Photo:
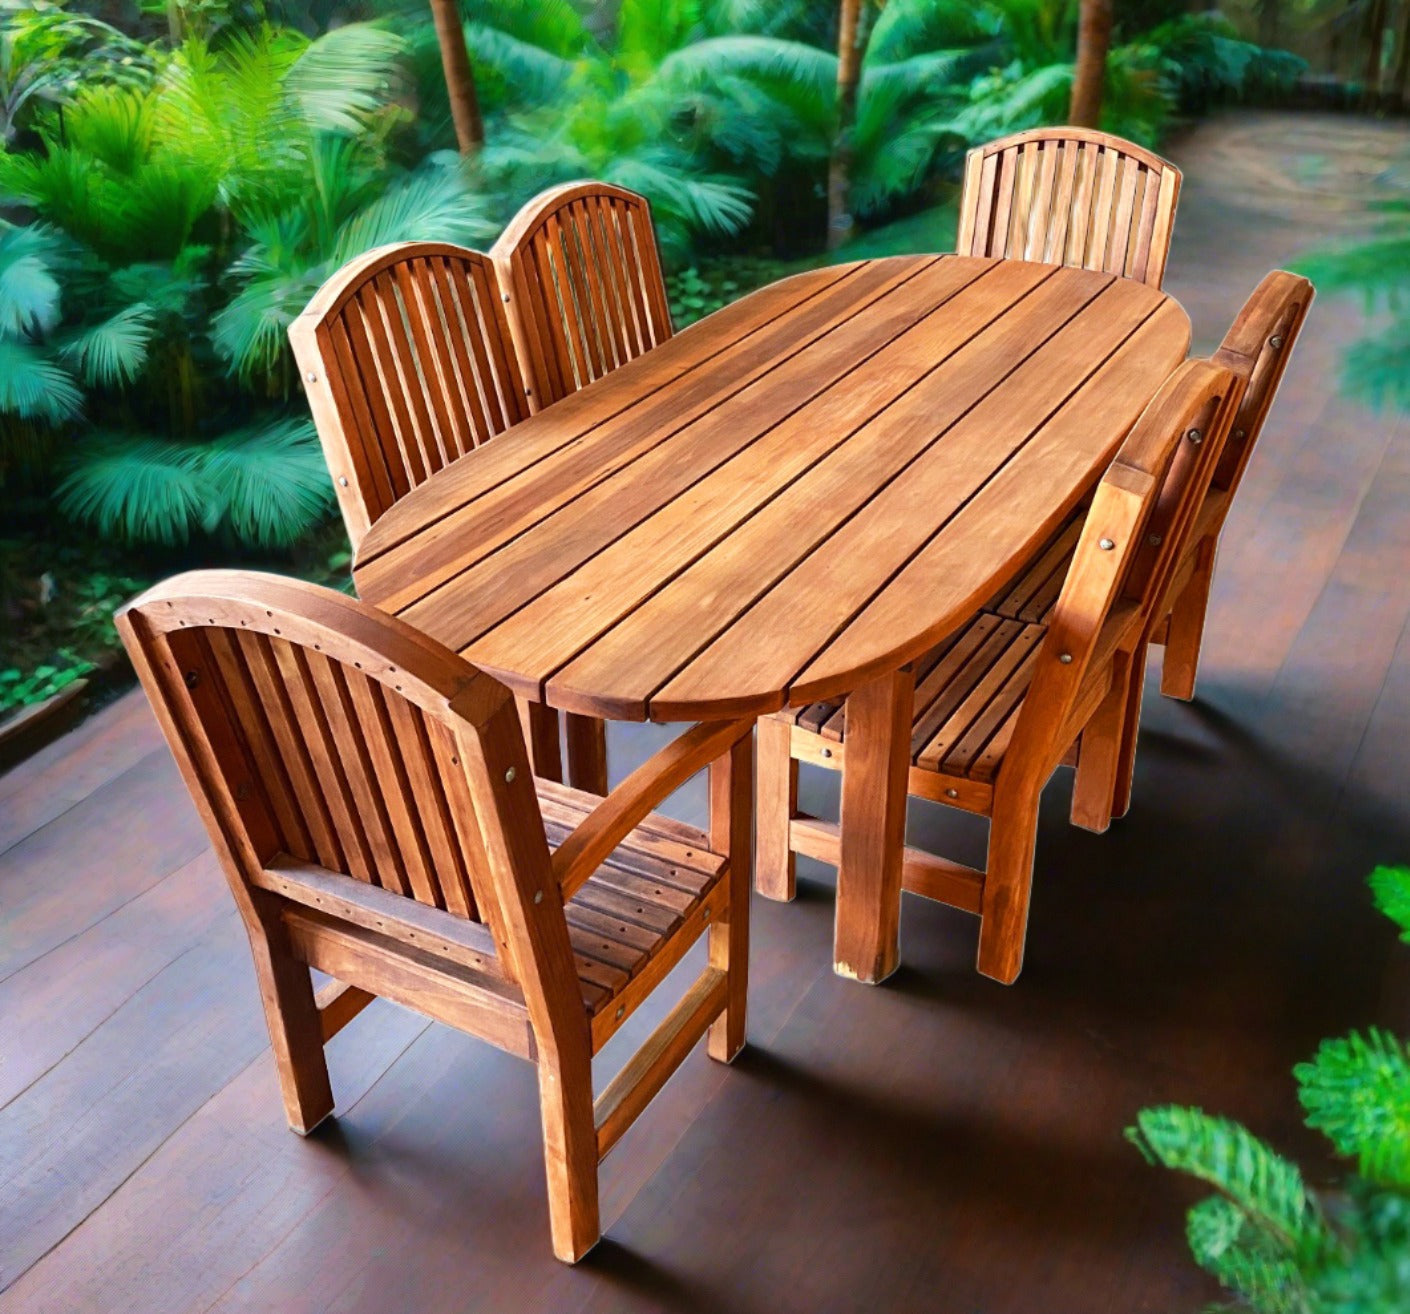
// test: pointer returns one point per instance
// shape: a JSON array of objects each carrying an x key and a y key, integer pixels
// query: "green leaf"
[{"x": 1225, "y": 1245}]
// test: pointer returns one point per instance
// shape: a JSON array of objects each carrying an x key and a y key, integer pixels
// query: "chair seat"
[
  {"x": 627, "y": 910},
  {"x": 969, "y": 691}
]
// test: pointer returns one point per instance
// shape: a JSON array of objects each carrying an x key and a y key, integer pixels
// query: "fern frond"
[
  {"x": 1225, "y": 1245},
  {"x": 1267, "y": 1188},
  {"x": 1390, "y": 891},
  {"x": 1357, "y": 1093}
]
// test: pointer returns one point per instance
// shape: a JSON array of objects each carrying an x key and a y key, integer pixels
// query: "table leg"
[{"x": 866, "y": 944}]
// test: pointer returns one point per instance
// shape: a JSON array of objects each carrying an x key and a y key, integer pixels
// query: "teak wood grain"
[
  {"x": 369, "y": 796},
  {"x": 1070, "y": 196},
  {"x": 981, "y": 722},
  {"x": 794, "y": 497}
]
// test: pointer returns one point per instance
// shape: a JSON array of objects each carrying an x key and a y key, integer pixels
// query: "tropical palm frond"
[
  {"x": 649, "y": 30},
  {"x": 778, "y": 18},
  {"x": 33, "y": 386},
  {"x": 514, "y": 72},
  {"x": 269, "y": 482},
  {"x": 916, "y": 77},
  {"x": 139, "y": 490},
  {"x": 29, "y": 287},
  {"x": 437, "y": 203},
  {"x": 113, "y": 352},
  {"x": 905, "y": 28},
  {"x": 768, "y": 61},
  {"x": 250, "y": 331},
  {"x": 345, "y": 77},
  {"x": 555, "y": 27},
  {"x": 112, "y": 124},
  {"x": 697, "y": 202}
]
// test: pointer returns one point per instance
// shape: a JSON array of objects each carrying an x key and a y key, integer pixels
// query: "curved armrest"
[{"x": 609, "y": 823}]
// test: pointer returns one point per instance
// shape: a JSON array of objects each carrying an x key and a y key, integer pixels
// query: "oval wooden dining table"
[{"x": 788, "y": 501}]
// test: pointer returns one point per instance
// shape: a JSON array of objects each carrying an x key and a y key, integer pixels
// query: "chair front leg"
[
  {"x": 1186, "y": 633},
  {"x": 570, "y": 1155},
  {"x": 732, "y": 832},
  {"x": 775, "y": 875},
  {"x": 1008, "y": 883},
  {"x": 1126, "y": 764}
]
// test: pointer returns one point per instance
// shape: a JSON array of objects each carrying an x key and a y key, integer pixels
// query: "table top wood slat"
[{"x": 801, "y": 492}]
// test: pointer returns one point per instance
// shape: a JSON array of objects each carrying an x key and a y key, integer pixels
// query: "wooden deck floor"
[{"x": 940, "y": 1143}]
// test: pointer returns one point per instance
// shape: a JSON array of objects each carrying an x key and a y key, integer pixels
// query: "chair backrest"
[
  {"x": 408, "y": 362},
  {"x": 311, "y": 727},
  {"x": 1141, "y": 516},
  {"x": 581, "y": 264},
  {"x": 1258, "y": 346},
  {"x": 1070, "y": 196}
]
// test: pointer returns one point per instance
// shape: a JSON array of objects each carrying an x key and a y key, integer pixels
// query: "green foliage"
[
  {"x": 1376, "y": 367},
  {"x": 1278, "y": 1246},
  {"x": 18, "y": 689}
]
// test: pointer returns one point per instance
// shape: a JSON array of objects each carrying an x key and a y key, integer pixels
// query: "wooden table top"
[{"x": 790, "y": 498}]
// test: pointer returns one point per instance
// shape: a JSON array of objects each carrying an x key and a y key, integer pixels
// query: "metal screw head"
[
  {"x": 827, "y": 752},
  {"x": 538, "y": 896},
  {"x": 342, "y": 481},
  {"x": 506, "y": 296},
  {"x": 621, "y": 1011},
  {"x": 1105, "y": 544},
  {"x": 1154, "y": 540},
  {"x": 1276, "y": 342},
  {"x": 509, "y": 776},
  {"x": 311, "y": 377},
  {"x": 1065, "y": 658},
  {"x": 1240, "y": 435},
  {"x": 705, "y": 916},
  {"x": 952, "y": 793},
  {"x": 528, "y": 392},
  {"x": 1195, "y": 436},
  {"x": 193, "y": 678}
]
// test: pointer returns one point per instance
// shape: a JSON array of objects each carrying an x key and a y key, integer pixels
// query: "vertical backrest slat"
[
  {"x": 1070, "y": 196},
  {"x": 408, "y": 362},
  {"x": 589, "y": 293},
  {"x": 313, "y": 728}
]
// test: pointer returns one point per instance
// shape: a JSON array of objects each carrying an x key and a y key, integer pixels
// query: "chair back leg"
[
  {"x": 1186, "y": 632},
  {"x": 732, "y": 832}
]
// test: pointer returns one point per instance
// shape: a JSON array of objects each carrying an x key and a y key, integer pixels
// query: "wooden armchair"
[
  {"x": 998, "y": 705},
  {"x": 408, "y": 363},
  {"x": 1257, "y": 348},
  {"x": 1070, "y": 196},
  {"x": 370, "y": 799},
  {"x": 586, "y": 290}
]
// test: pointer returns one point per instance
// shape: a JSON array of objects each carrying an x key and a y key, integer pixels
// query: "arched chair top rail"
[
  {"x": 536, "y": 211},
  {"x": 345, "y": 283},
  {"x": 341, "y": 627},
  {"x": 1156, "y": 163}
]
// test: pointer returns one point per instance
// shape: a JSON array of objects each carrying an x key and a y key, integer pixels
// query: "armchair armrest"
[{"x": 609, "y": 823}]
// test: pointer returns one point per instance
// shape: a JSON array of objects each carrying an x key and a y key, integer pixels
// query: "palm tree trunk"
[
  {"x": 460, "y": 77},
  {"x": 850, "y": 40},
  {"x": 1093, "y": 42},
  {"x": 1375, "y": 48},
  {"x": 1269, "y": 12}
]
